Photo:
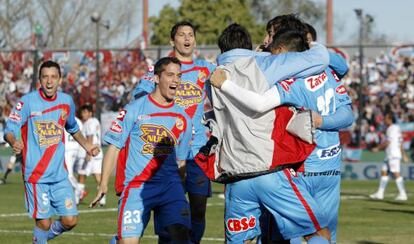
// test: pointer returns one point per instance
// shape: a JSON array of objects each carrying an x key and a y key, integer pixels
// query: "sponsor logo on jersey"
[
  {"x": 188, "y": 94},
  {"x": 144, "y": 117},
  {"x": 158, "y": 140},
  {"x": 49, "y": 132},
  {"x": 64, "y": 114},
  {"x": 129, "y": 228},
  {"x": 242, "y": 224},
  {"x": 293, "y": 172},
  {"x": 315, "y": 82},
  {"x": 121, "y": 115},
  {"x": 286, "y": 84},
  {"x": 15, "y": 117},
  {"x": 335, "y": 76},
  {"x": 329, "y": 152},
  {"x": 19, "y": 106},
  {"x": 115, "y": 127},
  {"x": 68, "y": 203},
  {"x": 341, "y": 89}
]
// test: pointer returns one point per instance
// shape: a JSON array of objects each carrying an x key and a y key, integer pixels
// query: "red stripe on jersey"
[
  {"x": 23, "y": 132},
  {"x": 121, "y": 166},
  {"x": 121, "y": 213},
  {"x": 66, "y": 107},
  {"x": 288, "y": 149},
  {"x": 34, "y": 201},
  {"x": 303, "y": 201}
]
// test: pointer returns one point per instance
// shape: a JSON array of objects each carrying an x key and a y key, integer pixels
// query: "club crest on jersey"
[
  {"x": 341, "y": 89},
  {"x": 241, "y": 224},
  {"x": 158, "y": 140},
  {"x": 115, "y": 127},
  {"x": 188, "y": 94},
  {"x": 315, "y": 82},
  {"x": 64, "y": 114},
  {"x": 202, "y": 76},
  {"x": 49, "y": 132},
  {"x": 121, "y": 115},
  {"x": 286, "y": 84},
  {"x": 15, "y": 117},
  {"x": 19, "y": 105},
  {"x": 179, "y": 123}
]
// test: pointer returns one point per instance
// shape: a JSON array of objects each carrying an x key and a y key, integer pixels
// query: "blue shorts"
[
  {"x": 196, "y": 182},
  {"x": 166, "y": 199},
  {"x": 325, "y": 188},
  {"x": 43, "y": 200},
  {"x": 282, "y": 196}
]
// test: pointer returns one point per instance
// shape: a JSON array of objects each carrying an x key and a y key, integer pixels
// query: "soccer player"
[
  {"x": 248, "y": 152},
  {"x": 191, "y": 97},
  {"x": 41, "y": 116},
  {"x": 322, "y": 93},
  {"x": 156, "y": 132},
  {"x": 393, "y": 153},
  {"x": 10, "y": 166},
  {"x": 71, "y": 152},
  {"x": 91, "y": 165}
]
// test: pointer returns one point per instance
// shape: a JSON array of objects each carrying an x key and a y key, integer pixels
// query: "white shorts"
[
  {"x": 94, "y": 166},
  {"x": 393, "y": 165},
  {"x": 70, "y": 159}
]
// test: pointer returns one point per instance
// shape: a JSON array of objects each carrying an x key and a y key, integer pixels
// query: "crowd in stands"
[{"x": 389, "y": 85}]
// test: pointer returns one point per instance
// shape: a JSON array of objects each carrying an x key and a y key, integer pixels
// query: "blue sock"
[
  {"x": 296, "y": 240},
  {"x": 113, "y": 240},
  {"x": 318, "y": 240},
  {"x": 39, "y": 236},
  {"x": 197, "y": 231},
  {"x": 56, "y": 229}
]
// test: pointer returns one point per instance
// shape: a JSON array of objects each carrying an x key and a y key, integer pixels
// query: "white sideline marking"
[
  {"x": 25, "y": 232},
  {"x": 103, "y": 210}
]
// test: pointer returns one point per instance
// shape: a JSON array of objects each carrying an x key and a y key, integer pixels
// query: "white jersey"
[
  {"x": 70, "y": 143},
  {"x": 394, "y": 137},
  {"x": 92, "y": 127}
]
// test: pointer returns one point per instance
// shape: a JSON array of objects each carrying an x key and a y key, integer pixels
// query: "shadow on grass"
[
  {"x": 368, "y": 242},
  {"x": 393, "y": 210}
]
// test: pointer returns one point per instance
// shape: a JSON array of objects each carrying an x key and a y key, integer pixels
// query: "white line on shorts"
[{"x": 72, "y": 233}]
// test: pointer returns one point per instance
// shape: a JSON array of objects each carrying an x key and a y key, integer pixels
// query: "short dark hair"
[
  {"x": 174, "y": 29},
  {"x": 86, "y": 106},
  {"x": 289, "y": 21},
  {"x": 49, "y": 64},
  {"x": 160, "y": 65},
  {"x": 234, "y": 36},
  {"x": 293, "y": 40},
  {"x": 392, "y": 116},
  {"x": 311, "y": 31}
]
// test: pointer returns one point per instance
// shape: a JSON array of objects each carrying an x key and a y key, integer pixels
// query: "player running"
[
  {"x": 41, "y": 116},
  {"x": 156, "y": 133}
]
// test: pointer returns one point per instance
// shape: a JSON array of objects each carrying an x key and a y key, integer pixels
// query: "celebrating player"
[
  {"x": 155, "y": 133},
  {"x": 42, "y": 115},
  {"x": 191, "y": 97}
]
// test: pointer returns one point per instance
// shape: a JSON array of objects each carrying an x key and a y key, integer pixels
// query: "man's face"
[
  {"x": 50, "y": 81},
  {"x": 85, "y": 115},
  {"x": 269, "y": 37},
  {"x": 184, "y": 41},
  {"x": 168, "y": 81}
]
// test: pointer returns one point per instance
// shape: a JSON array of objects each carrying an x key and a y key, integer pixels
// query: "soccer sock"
[
  {"x": 113, "y": 240},
  {"x": 318, "y": 240},
  {"x": 400, "y": 184},
  {"x": 56, "y": 229},
  {"x": 383, "y": 184},
  {"x": 7, "y": 173},
  {"x": 197, "y": 231},
  {"x": 39, "y": 236}
]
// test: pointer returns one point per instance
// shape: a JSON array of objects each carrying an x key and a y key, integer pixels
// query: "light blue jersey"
[{"x": 323, "y": 93}]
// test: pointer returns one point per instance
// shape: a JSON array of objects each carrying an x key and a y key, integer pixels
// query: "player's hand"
[
  {"x": 17, "y": 147},
  {"x": 405, "y": 158},
  {"x": 93, "y": 150},
  {"x": 103, "y": 189},
  {"x": 217, "y": 78},
  {"x": 316, "y": 120}
]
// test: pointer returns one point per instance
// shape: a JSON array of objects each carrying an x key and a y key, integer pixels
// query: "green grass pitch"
[{"x": 361, "y": 220}]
